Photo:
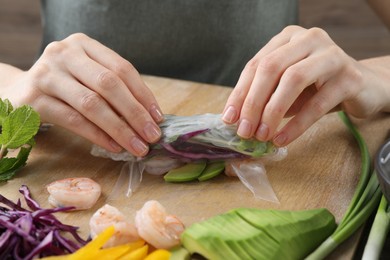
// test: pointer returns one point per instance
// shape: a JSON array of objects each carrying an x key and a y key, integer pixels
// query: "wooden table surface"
[{"x": 321, "y": 169}]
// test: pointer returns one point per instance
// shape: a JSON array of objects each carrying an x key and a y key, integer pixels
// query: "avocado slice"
[
  {"x": 297, "y": 232},
  {"x": 212, "y": 169},
  {"x": 247, "y": 233},
  {"x": 179, "y": 253},
  {"x": 226, "y": 236},
  {"x": 188, "y": 172}
]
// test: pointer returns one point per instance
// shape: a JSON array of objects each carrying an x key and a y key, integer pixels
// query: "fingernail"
[
  {"x": 139, "y": 147},
  {"x": 280, "y": 139},
  {"x": 152, "y": 132},
  {"x": 262, "y": 132},
  {"x": 244, "y": 129},
  {"x": 230, "y": 115},
  {"x": 115, "y": 146},
  {"x": 156, "y": 113}
]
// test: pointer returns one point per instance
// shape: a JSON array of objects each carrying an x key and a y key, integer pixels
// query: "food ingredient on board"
[
  {"x": 161, "y": 164},
  {"x": 188, "y": 172},
  {"x": 378, "y": 232},
  {"x": 364, "y": 201},
  {"x": 180, "y": 253},
  {"x": 81, "y": 193},
  {"x": 190, "y": 138},
  {"x": 206, "y": 136},
  {"x": 248, "y": 233},
  {"x": 157, "y": 227},
  {"x": 34, "y": 232},
  {"x": 152, "y": 224},
  {"x": 212, "y": 170},
  {"x": 200, "y": 171},
  {"x": 193, "y": 138},
  {"x": 381, "y": 225},
  {"x": 95, "y": 250},
  {"x": 159, "y": 254},
  {"x": 107, "y": 216},
  {"x": 17, "y": 130}
]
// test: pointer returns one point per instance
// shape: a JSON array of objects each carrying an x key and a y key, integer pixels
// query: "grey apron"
[{"x": 200, "y": 40}]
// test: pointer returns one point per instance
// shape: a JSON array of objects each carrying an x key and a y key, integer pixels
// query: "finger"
[
  {"x": 324, "y": 101},
  {"x": 306, "y": 94},
  {"x": 94, "y": 108},
  {"x": 128, "y": 74},
  {"x": 56, "y": 112},
  {"x": 231, "y": 112},
  {"x": 282, "y": 38},
  {"x": 269, "y": 72},
  {"x": 108, "y": 85},
  {"x": 295, "y": 80},
  {"x": 233, "y": 106}
]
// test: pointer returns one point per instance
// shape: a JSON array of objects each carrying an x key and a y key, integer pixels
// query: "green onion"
[
  {"x": 379, "y": 230},
  {"x": 363, "y": 203}
]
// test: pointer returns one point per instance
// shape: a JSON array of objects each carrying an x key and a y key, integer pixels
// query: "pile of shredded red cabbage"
[{"x": 34, "y": 232}]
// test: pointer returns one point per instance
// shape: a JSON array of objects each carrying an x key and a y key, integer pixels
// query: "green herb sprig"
[{"x": 18, "y": 128}]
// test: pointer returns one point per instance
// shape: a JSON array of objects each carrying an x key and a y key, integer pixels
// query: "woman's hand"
[
  {"x": 83, "y": 86},
  {"x": 304, "y": 74}
]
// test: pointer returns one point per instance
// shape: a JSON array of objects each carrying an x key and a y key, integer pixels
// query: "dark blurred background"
[{"x": 351, "y": 23}]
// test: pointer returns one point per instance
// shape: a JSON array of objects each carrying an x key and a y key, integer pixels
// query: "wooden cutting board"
[{"x": 321, "y": 169}]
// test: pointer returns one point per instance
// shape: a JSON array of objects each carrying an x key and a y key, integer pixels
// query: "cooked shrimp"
[
  {"x": 82, "y": 193},
  {"x": 229, "y": 170},
  {"x": 156, "y": 227},
  {"x": 108, "y": 215},
  {"x": 159, "y": 165}
]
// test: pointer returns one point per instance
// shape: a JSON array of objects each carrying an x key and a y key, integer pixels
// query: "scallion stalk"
[
  {"x": 365, "y": 200},
  {"x": 379, "y": 230}
]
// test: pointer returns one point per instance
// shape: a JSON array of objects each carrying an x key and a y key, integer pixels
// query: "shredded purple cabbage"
[
  {"x": 182, "y": 148},
  {"x": 34, "y": 232},
  {"x": 191, "y": 151}
]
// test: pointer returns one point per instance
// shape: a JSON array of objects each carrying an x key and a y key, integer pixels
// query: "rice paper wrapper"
[
  {"x": 130, "y": 178},
  {"x": 201, "y": 137},
  {"x": 253, "y": 175}
]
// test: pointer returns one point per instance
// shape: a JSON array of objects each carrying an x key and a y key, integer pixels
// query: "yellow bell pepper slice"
[
  {"x": 159, "y": 254},
  {"x": 118, "y": 251},
  {"x": 138, "y": 254},
  {"x": 91, "y": 250}
]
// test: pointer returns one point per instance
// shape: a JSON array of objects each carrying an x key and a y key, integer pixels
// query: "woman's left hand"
[{"x": 301, "y": 73}]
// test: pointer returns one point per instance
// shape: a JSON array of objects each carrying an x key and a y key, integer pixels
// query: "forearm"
[{"x": 382, "y": 8}]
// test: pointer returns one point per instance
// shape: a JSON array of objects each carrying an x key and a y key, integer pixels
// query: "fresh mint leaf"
[
  {"x": 19, "y": 127},
  {"x": 31, "y": 142},
  {"x": 5, "y": 110},
  {"x": 7, "y": 163},
  {"x": 7, "y": 175},
  {"x": 17, "y": 130},
  {"x": 9, "y": 166}
]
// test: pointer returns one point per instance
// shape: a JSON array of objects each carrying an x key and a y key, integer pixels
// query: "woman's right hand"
[{"x": 87, "y": 88}]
